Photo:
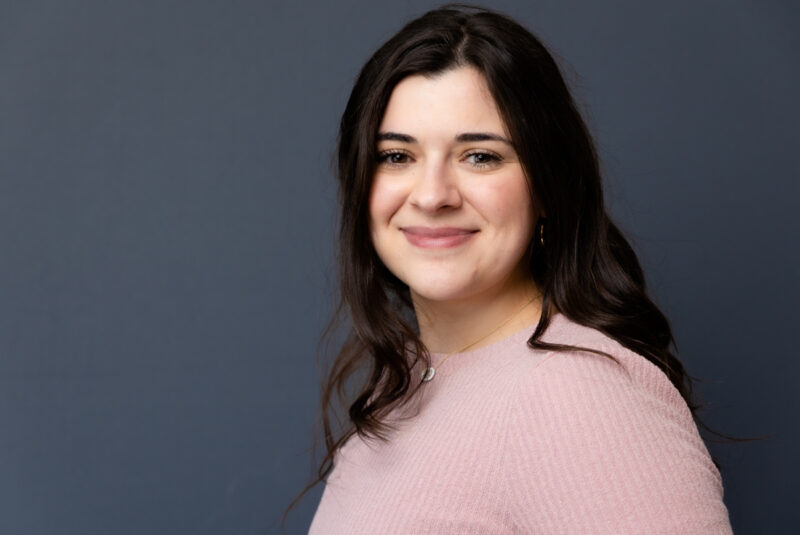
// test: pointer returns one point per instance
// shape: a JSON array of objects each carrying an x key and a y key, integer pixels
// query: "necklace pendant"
[{"x": 428, "y": 374}]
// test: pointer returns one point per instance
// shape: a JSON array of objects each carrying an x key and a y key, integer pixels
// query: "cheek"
[
  {"x": 385, "y": 199},
  {"x": 507, "y": 205},
  {"x": 381, "y": 208}
]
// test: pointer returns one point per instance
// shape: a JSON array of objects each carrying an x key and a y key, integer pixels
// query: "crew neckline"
[{"x": 524, "y": 332}]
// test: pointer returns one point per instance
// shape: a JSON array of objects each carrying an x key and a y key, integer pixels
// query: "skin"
[{"x": 461, "y": 293}]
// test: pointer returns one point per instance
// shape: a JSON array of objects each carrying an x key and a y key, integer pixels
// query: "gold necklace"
[{"x": 430, "y": 371}]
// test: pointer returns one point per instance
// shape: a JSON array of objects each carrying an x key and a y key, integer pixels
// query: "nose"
[{"x": 435, "y": 188}]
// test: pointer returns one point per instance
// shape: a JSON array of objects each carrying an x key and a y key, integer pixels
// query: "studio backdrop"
[{"x": 168, "y": 211}]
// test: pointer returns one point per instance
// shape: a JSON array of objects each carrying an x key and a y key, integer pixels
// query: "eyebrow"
[{"x": 460, "y": 138}]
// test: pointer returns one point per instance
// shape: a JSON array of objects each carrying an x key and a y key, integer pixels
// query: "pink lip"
[{"x": 440, "y": 237}]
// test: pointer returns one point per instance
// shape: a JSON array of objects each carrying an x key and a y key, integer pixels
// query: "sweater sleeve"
[{"x": 592, "y": 449}]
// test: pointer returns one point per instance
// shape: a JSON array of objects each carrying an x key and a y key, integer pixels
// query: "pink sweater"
[{"x": 507, "y": 439}]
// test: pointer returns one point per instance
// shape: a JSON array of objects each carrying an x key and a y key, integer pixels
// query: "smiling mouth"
[{"x": 437, "y": 238}]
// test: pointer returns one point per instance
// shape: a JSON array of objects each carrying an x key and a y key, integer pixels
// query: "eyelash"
[{"x": 493, "y": 158}]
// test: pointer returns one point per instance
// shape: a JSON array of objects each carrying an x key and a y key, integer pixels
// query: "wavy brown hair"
[{"x": 587, "y": 270}]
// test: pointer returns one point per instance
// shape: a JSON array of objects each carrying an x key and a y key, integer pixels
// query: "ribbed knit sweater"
[{"x": 507, "y": 439}]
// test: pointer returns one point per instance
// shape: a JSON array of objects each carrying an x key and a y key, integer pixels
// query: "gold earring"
[{"x": 541, "y": 234}]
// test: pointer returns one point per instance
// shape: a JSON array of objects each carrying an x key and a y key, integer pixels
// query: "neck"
[{"x": 450, "y": 326}]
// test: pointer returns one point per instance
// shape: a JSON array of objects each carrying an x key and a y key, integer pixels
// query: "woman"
[{"x": 518, "y": 377}]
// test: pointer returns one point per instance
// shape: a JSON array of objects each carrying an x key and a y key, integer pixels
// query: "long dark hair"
[{"x": 586, "y": 271}]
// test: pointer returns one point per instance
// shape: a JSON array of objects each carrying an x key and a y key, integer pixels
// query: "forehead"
[{"x": 456, "y": 100}]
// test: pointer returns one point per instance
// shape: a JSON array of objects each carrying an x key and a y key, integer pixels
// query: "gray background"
[{"x": 166, "y": 226}]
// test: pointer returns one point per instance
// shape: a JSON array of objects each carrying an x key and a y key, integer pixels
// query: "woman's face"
[{"x": 450, "y": 211}]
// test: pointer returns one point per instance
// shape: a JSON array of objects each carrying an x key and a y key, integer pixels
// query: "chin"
[{"x": 439, "y": 290}]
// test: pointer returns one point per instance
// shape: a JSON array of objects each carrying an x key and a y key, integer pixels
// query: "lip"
[{"x": 438, "y": 237}]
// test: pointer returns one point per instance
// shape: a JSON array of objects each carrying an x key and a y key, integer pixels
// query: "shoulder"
[
  {"x": 614, "y": 441},
  {"x": 598, "y": 363},
  {"x": 600, "y": 383},
  {"x": 581, "y": 399}
]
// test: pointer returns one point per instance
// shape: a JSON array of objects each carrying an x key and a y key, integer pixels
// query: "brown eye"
[{"x": 393, "y": 158}]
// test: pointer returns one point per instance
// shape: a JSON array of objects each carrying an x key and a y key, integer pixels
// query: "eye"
[
  {"x": 484, "y": 159},
  {"x": 393, "y": 158}
]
